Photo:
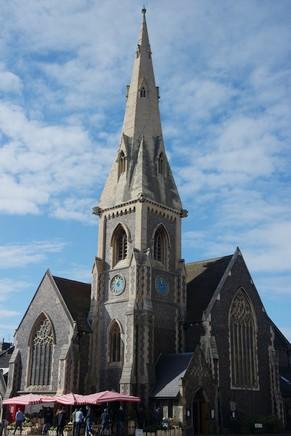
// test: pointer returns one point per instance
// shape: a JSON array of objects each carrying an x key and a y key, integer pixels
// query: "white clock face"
[{"x": 117, "y": 284}]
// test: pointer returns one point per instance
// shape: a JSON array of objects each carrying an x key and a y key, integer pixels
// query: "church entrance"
[{"x": 200, "y": 413}]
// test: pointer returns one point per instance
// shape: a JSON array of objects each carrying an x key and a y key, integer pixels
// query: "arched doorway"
[{"x": 200, "y": 413}]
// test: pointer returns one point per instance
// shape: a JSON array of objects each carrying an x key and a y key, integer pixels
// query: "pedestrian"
[
  {"x": 79, "y": 418},
  {"x": 104, "y": 422},
  {"x": 4, "y": 423},
  {"x": 88, "y": 422},
  {"x": 47, "y": 420},
  {"x": 74, "y": 421},
  {"x": 120, "y": 418},
  {"x": 61, "y": 419},
  {"x": 19, "y": 418}
]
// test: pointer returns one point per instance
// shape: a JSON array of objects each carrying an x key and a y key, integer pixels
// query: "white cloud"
[
  {"x": 275, "y": 285},
  {"x": 9, "y": 287},
  {"x": 75, "y": 209},
  {"x": 9, "y": 82},
  {"x": 8, "y": 313},
  {"x": 12, "y": 256},
  {"x": 41, "y": 161}
]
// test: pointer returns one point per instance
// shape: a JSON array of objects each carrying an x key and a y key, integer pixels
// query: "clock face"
[
  {"x": 162, "y": 286},
  {"x": 117, "y": 284}
]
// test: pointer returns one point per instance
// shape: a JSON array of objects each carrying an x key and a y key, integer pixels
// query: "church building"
[{"x": 193, "y": 338}]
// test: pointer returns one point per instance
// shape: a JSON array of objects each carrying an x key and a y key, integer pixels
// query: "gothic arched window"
[
  {"x": 161, "y": 163},
  {"x": 114, "y": 343},
  {"x": 41, "y": 344},
  {"x": 121, "y": 163},
  {"x": 142, "y": 92},
  {"x": 243, "y": 343},
  {"x": 119, "y": 244},
  {"x": 160, "y": 245}
]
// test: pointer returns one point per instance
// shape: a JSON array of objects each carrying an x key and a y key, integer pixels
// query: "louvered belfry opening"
[
  {"x": 160, "y": 245},
  {"x": 119, "y": 245}
]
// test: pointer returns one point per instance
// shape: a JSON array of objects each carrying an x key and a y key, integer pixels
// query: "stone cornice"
[{"x": 183, "y": 213}]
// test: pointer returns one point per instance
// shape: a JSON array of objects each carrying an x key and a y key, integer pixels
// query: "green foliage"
[{"x": 27, "y": 423}]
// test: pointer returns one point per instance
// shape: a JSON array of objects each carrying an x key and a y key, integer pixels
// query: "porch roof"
[{"x": 169, "y": 371}]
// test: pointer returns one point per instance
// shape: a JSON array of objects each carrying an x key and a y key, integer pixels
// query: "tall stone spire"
[{"x": 141, "y": 167}]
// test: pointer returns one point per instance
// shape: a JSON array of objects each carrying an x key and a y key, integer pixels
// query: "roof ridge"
[
  {"x": 7, "y": 350},
  {"x": 71, "y": 280},
  {"x": 208, "y": 260}
]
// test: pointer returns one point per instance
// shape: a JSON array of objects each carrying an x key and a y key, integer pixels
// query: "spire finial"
[{"x": 143, "y": 11}]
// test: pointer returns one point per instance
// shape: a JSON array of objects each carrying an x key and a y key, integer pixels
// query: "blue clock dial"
[
  {"x": 162, "y": 286},
  {"x": 117, "y": 284}
]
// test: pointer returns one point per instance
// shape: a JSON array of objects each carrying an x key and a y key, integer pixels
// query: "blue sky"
[{"x": 224, "y": 74}]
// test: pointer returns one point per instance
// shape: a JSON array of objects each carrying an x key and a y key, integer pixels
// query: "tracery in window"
[
  {"x": 121, "y": 163},
  {"x": 119, "y": 244},
  {"x": 161, "y": 163},
  {"x": 243, "y": 343},
  {"x": 114, "y": 343},
  {"x": 41, "y": 344},
  {"x": 160, "y": 245}
]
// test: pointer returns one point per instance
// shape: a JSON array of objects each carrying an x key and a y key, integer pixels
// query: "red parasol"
[
  {"x": 109, "y": 396},
  {"x": 24, "y": 400},
  {"x": 68, "y": 399}
]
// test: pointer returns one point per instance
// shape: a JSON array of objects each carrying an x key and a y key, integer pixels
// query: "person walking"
[
  {"x": 79, "y": 418},
  {"x": 61, "y": 419},
  {"x": 88, "y": 422},
  {"x": 120, "y": 418},
  {"x": 47, "y": 420},
  {"x": 104, "y": 422},
  {"x": 19, "y": 418}
]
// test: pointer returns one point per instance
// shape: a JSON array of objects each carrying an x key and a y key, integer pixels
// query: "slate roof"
[
  {"x": 77, "y": 298},
  {"x": 285, "y": 381},
  {"x": 169, "y": 370},
  {"x": 280, "y": 339},
  {"x": 5, "y": 356},
  {"x": 203, "y": 278}
]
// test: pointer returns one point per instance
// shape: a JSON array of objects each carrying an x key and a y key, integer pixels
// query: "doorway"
[{"x": 200, "y": 413}]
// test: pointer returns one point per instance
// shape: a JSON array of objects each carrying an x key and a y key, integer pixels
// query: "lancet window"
[
  {"x": 243, "y": 343},
  {"x": 42, "y": 343},
  {"x": 119, "y": 244},
  {"x": 114, "y": 343},
  {"x": 160, "y": 245},
  {"x": 142, "y": 92},
  {"x": 121, "y": 163},
  {"x": 161, "y": 163}
]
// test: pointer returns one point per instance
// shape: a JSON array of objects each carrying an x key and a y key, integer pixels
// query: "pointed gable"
[{"x": 203, "y": 278}]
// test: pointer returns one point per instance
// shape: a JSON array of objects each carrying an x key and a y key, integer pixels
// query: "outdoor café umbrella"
[
  {"x": 108, "y": 397},
  {"x": 69, "y": 399},
  {"x": 24, "y": 400}
]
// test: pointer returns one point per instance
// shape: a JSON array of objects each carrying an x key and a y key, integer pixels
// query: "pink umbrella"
[
  {"x": 109, "y": 396},
  {"x": 24, "y": 400},
  {"x": 68, "y": 399}
]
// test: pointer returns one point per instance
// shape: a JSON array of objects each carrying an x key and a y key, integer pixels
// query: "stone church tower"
[{"x": 138, "y": 291}]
